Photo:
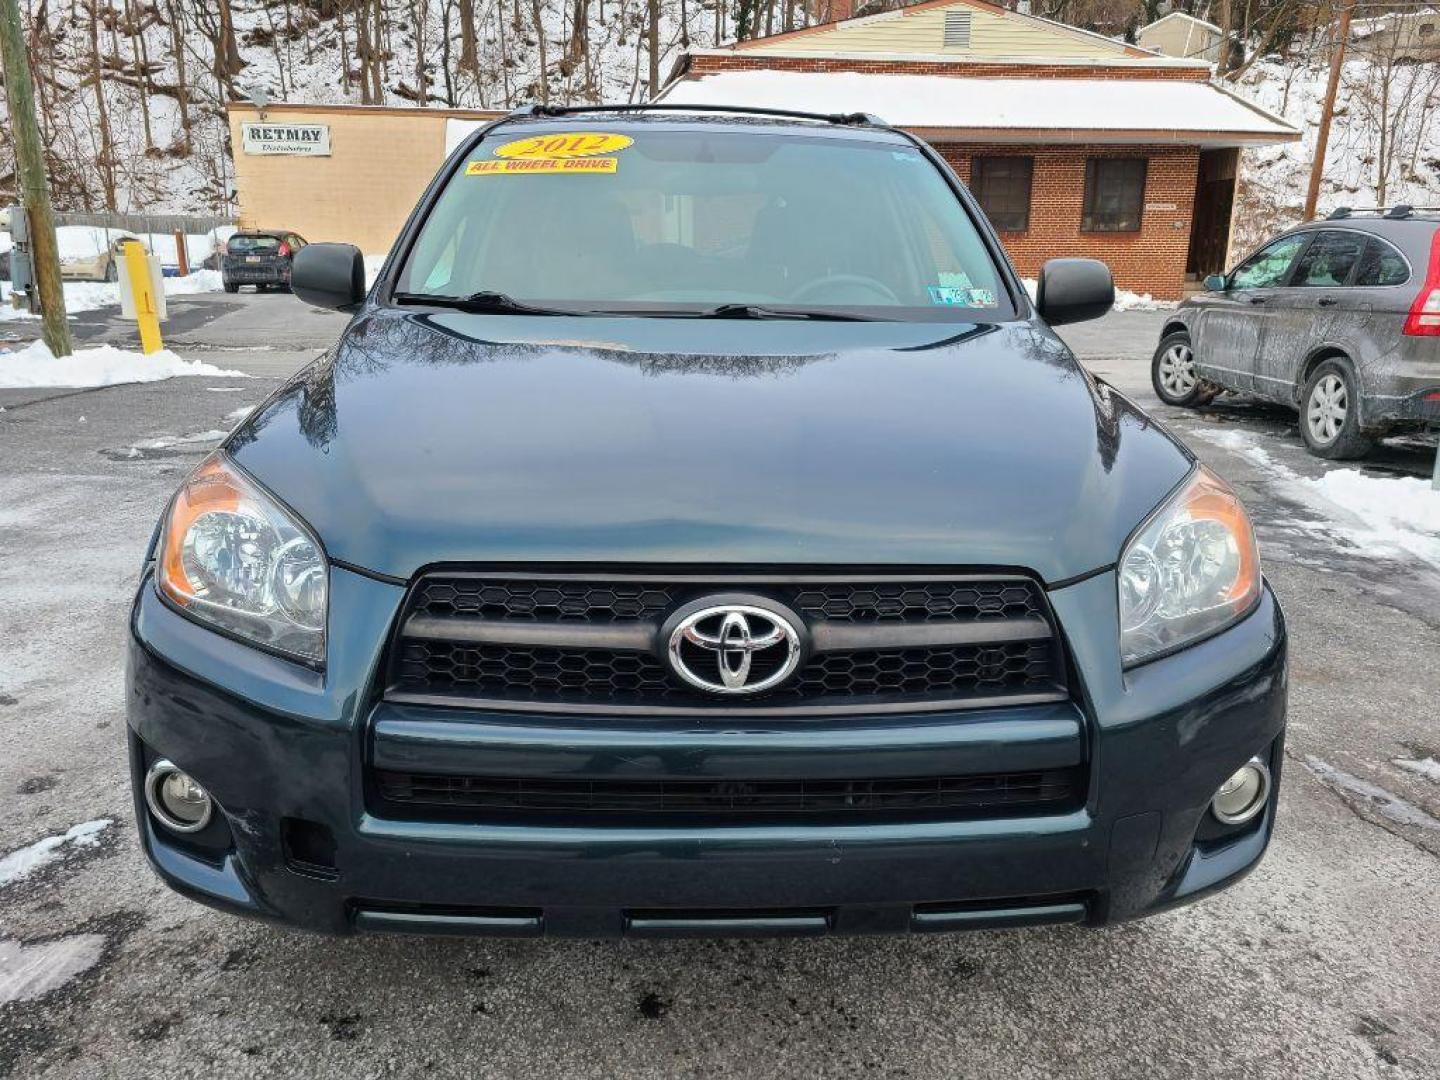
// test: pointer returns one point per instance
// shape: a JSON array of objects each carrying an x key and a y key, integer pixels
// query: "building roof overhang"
[
  {"x": 1024, "y": 111},
  {"x": 1180, "y": 16},
  {"x": 1138, "y": 62}
]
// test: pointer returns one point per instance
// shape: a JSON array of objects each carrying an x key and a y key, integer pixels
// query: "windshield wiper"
[
  {"x": 497, "y": 303},
  {"x": 759, "y": 311},
  {"x": 482, "y": 303}
]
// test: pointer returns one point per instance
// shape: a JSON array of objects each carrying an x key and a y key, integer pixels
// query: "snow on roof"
[
  {"x": 1361, "y": 29},
  {"x": 1181, "y": 15},
  {"x": 940, "y": 102}
]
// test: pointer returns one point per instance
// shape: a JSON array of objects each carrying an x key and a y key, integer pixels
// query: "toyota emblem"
[{"x": 734, "y": 649}]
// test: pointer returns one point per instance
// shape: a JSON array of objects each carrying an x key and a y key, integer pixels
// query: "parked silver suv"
[{"x": 1338, "y": 318}]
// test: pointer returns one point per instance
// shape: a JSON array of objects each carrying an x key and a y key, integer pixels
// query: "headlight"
[
  {"x": 1189, "y": 571},
  {"x": 233, "y": 557}
]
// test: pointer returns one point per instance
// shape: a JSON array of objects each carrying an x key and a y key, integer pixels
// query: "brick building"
[{"x": 1075, "y": 144}]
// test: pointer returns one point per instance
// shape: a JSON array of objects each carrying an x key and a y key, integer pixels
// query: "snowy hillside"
[
  {"x": 304, "y": 51},
  {"x": 167, "y": 144},
  {"x": 1384, "y": 144}
]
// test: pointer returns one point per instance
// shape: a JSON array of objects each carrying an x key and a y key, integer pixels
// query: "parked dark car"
[
  {"x": 708, "y": 538},
  {"x": 1339, "y": 319},
  {"x": 262, "y": 259}
]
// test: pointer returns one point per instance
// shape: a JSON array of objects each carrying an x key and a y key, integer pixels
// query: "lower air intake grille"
[{"x": 749, "y": 799}]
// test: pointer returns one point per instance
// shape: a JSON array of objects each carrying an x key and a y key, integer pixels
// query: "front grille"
[
  {"x": 630, "y": 601},
  {"x": 745, "y": 799},
  {"x": 538, "y": 601},
  {"x": 572, "y": 642},
  {"x": 602, "y": 675}
]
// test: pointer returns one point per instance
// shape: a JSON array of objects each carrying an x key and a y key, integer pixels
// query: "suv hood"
[{"x": 451, "y": 437}]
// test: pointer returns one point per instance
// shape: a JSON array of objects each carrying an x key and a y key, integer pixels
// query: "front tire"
[
  {"x": 1172, "y": 373},
  {"x": 1330, "y": 414},
  {"x": 231, "y": 287}
]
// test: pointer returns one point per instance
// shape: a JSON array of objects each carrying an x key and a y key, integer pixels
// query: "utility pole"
[
  {"x": 34, "y": 189},
  {"x": 1322, "y": 141}
]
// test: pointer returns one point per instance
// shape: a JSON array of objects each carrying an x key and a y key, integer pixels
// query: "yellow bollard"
[{"x": 143, "y": 293}]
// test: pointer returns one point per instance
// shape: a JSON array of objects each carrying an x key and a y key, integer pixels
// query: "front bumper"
[{"x": 282, "y": 748}]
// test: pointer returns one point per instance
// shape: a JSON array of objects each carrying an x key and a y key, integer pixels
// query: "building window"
[
  {"x": 1002, "y": 187},
  {"x": 1114, "y": 194}
]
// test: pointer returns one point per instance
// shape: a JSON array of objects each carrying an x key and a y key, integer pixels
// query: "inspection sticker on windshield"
[
  {"x": 950, "y": 294},
  {"x": 567, "y": 152}
]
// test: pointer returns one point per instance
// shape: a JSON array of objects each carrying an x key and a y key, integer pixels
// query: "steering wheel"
[{"x": 879, "y": 288}]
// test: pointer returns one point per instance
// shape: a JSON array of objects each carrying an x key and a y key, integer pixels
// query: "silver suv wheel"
[
  {"x": 1327, "y": 408},
  {"x": 1177, "y": 370},
  {"x": 1331, "y": 413}
]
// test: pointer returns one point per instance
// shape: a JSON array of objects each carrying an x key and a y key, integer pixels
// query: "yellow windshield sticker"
[
  {"x": 573, "y": 166},
  {"x": 564, "y": 145}
]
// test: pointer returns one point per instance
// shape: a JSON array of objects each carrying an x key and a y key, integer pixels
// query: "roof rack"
[
  {"x": 855, "y": 119},
  {"x": 1394, "y": 213}
]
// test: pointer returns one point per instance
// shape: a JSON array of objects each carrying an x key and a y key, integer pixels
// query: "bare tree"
[
  {"x": 106, "y": 159},
  {"x": 364, "y": 49},
  {"x": 141, "y": 66},
  {"x": 652, "y": 46},
  {"x": 275, "y": 46},
  {"x": 544, "y": 64},
  {"x": 1397, "y": 100},
  {"x": 379, "y": 50},
  {"x": 182, "y": 89},
  {"x": 469, "y": 53},
  {"x": 227, "y": 53},
  {"x": 419, "y": 12}
]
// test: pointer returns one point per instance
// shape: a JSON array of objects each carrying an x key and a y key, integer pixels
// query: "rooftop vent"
[{"x": 957, "y": 29}]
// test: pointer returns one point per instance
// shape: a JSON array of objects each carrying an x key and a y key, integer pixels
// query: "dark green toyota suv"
[{"x": 697, "y": 530}]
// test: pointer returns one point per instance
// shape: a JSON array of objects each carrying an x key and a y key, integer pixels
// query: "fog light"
[
  {"x": 176, "y": 800},
  {"x": 1242, "y": 796}
]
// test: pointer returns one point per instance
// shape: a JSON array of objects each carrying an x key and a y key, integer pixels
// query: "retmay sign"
[{"x": 311, "y": 139}]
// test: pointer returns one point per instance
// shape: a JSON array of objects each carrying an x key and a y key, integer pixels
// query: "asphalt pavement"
[{"x": 1322, "y": 963}]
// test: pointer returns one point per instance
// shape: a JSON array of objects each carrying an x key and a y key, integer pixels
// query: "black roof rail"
[
  {"x": 1398, "y": 212},
  {"x": 854, "y": 119}
]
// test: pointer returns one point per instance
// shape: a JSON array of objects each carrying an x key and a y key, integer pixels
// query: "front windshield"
[{"x": 628, "y": 219}]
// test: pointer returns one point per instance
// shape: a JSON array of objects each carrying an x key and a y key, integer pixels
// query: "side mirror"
[
  {"x": 1073, "y": 290},
  {"x": 329, "y": 276},
  {"x": 1215, "y": 283}
]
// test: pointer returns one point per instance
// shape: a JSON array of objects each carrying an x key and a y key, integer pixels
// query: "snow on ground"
[
  {"x": 1427, "y": 767},
  {"x": 30, "y": 971},
  {"x": 19, "y": 865},
  {"x": 87, "y": 241},
  {"x": 198, "y": 247},
  {"x": 1402, "y": 511},
  {"x": 92, "y": 295},
  {"x": 1386, "y": 803},
  {"x": 106, "y": 365},
  {"x": 1390, "y": 514},
  {"x": 1125, "y": 300}
]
